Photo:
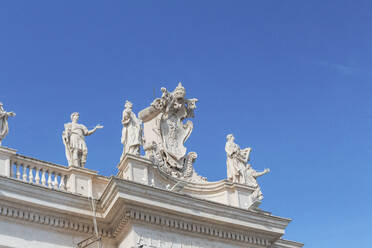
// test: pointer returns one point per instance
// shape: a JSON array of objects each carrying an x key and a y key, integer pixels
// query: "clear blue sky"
[{"x": 291, "y": 79}]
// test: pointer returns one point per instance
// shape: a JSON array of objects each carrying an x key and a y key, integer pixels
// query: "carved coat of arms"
[{"x": 165, "y": 132}]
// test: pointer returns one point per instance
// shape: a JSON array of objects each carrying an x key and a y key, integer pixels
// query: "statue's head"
[
  {"x": 128, "y": 104},
  {"x": 230, "y": 137},
  {"x": 179, "y": 92},
  {"x": 75, "y": 117},
  {"x": 1, "y": 104}
]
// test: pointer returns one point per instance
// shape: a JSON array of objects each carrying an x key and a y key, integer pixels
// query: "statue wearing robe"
[
  {"x": 131, "y": 135},
  {"x": 238, "y": 171},
  {"x": 4, "y": 128},
  {"x": 236, "y": 160},
  {"x": 74, "y": 140},
  {"x": 250, "y": 176}
]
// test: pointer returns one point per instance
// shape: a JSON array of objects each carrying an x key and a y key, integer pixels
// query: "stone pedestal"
[
  {"x": 6, "y": 155},
  {"x": 80, "y": 181},
  {"x": 135, "y": 168}
]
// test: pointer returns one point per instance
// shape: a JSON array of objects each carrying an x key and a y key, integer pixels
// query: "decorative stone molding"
[
  {"x": 165, "y": 133},
  {"x": 209, "y": 211},
  {"x": 282, "y": 243},
  {"x": 37, "y": 172},
  {"x": 144, "y": 196},
  {"x": 143, "y": 171},
  {"x": 178, "y": 224},
  {"x": 50, "y": 220},
  {"x": 122, "y": 222},
  {"x": 156, "y": 201}
]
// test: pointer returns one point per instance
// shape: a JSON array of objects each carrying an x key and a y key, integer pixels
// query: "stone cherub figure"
[
  {"x": 74, "y": 140},
  {"x": 4, "y": 128},
  {"x": 238, "y": 171},
  {"x": 131, "y": 135}
]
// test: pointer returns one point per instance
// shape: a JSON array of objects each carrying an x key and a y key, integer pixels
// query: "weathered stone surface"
[
  {"x": 238, "y": 169},
  {"x": 165, "y": 133},
  {"x": 155, "y": 201},
  {"x": 4, "y": 128},
  {"x": 74, "y": 140},
  {"x": 131, "y": 135}
]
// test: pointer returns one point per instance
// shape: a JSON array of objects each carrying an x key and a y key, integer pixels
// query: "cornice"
[
  {"x": 134, "y": 216},
  {"x": 39, "y": 196},
  {"x": 49, "y": 219},
  {"x": 7, "y": 150},
  {"x": 124, "y": 202},
  {"x": 282, "y": 243},
  {"x": 189, "y": 207},
  {"x": 38, "y": 161}
]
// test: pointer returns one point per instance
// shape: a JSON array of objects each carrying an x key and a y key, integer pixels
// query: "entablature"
[{"x": 121, "y": 193}]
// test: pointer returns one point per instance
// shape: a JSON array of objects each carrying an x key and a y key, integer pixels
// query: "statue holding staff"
[
  {"x": 74, "y": 140},
  {"x": 4, "y": 128}
]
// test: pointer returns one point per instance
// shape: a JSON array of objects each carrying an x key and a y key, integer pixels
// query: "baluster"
[
  {"x": 24, "y": 174},
  {"x": 37, "y": 177},
  {"x": 30, "y": 175},
  {"x": 55, "y": 182},
  {"x": 43, "y": 177},
  {"x": 11, "y": 169},
  {"x": 62, "y": 183},
  {"x": 18, "y": 173},
  {"x": 49, "y": 179}
]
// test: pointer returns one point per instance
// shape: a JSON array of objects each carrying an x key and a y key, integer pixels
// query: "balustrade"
[
  {"x": 40, "y": 173},
  {"x": 53, "y": 176}
]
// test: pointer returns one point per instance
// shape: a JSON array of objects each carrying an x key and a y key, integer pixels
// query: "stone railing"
[
  {"x": 39, "y": 172},
  {"x": 29, "y": 170}
]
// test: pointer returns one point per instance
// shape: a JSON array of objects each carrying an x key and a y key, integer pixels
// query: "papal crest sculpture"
[{"x": 165, "y": 133}]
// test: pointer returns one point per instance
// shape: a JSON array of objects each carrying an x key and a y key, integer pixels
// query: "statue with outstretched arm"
[
  {"x": 74, "y": 140},
  {"x": 238, "y": 169},
  {"x": 4, "y": 128}
]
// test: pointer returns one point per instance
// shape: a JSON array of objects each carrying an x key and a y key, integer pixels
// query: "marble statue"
[
  {"x": 131, "y": 135},
  {"x": 165, "y": 133},
  {"x": 74, "y": 140},
  {"x": 238, "y": 169},
  {"x": 4, "y": 128}
]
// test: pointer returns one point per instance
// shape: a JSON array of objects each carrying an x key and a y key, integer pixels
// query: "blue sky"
[{"x": 291, "y": 79}]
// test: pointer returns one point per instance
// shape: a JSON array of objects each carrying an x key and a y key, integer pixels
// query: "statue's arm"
[
  {"x": 126, "y": 117},
  {"x": 90, "y": 132},
  {"x": 2, "y": 114},
  {"x": 258, "y": 174},
  {"x": 229, "y": 150},
  {"x": 11, "y": 113},
  {"x": 67, "y": 128}
]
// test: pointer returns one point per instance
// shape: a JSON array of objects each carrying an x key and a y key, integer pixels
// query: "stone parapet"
[
  {"x": 141, "y": 207},
  {"x": 142, "y": 170}
]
